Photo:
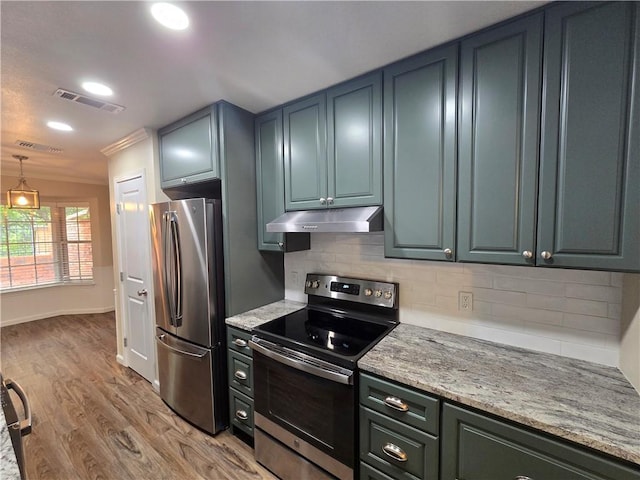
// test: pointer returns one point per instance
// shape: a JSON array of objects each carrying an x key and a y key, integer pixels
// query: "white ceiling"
[{"x": 254, "y": 54}]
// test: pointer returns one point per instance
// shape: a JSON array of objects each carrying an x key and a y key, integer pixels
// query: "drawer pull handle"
[
  {"x": 238, "y": 342},
  {"x": 395, "y": 452},
  {"x": 240, "y": 375},
  {"x": 522, "y": 477},
  {"x": 241, "y": 415},
  {"x": 396, "y": 404}
]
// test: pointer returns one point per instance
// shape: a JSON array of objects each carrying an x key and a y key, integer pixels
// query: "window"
[{"x": 47, "y": 246}]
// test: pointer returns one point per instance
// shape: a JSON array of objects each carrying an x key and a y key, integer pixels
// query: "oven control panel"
[{"x": 372, "y": 292}]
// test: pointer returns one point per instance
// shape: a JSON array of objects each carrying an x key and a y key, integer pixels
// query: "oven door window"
[{"x": 316, "y": 410}]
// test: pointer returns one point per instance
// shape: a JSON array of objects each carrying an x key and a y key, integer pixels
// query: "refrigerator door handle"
[
  {"x": 161, "y": 338},
  {"x": 177, "y": 262},
  {"x": 168, "y": 266}
]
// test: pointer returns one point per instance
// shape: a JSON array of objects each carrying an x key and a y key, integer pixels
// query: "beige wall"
[
  {"x": 630, "y": 343},
  {"x": 37, "y": 303},
  {"x": 140, "y": 157}
]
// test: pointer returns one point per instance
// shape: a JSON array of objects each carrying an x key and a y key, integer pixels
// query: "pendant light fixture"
[{"x": 23, "y": 196}]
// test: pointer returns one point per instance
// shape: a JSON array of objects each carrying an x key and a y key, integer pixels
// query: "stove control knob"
[
  {"x": 307, "y": 283},
  {"x": 378, "y": 293},
  {"x": 315, "y": 284},
  {"x": 368, "y": 292},
  {"x": 387, "y": 294}
]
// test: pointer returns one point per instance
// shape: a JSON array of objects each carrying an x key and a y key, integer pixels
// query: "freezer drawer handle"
[
  {"x": 241, "y": 415},
  {"x": 238, "y": 342},
  {"x": 160, "y": 338},
  {"x": 24, "y": 425},
  {"x": 396, "y": 404},
  {"x": 240, "y": 375}
]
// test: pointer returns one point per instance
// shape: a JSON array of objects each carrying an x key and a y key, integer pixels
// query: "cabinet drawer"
[
  {"x": 241, "y": 373},
  {"x": 238, "y": 340},
  {"x": 479, "y": 447},
  {"x": 383, "y": 439},
  {"x": 241, "y": 411},
  {"x": 403, "y": 404},
  {"x": 367, "y": 472}
]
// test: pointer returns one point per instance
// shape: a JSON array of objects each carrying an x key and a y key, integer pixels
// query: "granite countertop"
[
  {"x": 587, "y": 403},
  {"x": 8, "y": 463},
  {"x": 260, "y": 315}
]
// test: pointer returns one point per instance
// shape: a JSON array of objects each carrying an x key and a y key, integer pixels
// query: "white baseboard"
[{"x": 41, "y": 316}]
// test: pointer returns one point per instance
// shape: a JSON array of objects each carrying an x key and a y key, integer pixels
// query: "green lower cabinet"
[
  {"x": 240, "y": 374},
  {"x": 395, "y": 449},
  {"x": 475, "y": 447},
  {"x": 241, "y": 411},
  {"x": 367, "y": 472}
]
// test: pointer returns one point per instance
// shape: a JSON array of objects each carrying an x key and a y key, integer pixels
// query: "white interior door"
[{"x": 136, "y": 284}]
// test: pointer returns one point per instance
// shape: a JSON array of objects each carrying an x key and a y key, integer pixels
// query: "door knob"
[
  {"x": 448, "y": 252},
  {"x": 142, "y": 293}
]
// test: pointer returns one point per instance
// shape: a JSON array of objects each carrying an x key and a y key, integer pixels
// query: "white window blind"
[{"x": 51, "y": 245}]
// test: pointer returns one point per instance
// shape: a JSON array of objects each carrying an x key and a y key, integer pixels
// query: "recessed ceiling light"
[
  {"x": 170, "y": 16},
  {"x": 60, "y": 126},
  {"x": 97, "y": 89}
]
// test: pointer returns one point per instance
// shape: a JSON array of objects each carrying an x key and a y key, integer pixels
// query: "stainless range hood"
[{"x": 337, "y": 220}]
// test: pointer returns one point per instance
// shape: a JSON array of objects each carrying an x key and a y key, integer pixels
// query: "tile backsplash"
[{"x": 575, "y": 313}]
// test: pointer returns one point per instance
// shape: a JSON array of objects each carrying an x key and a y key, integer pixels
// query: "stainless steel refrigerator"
[{"x": 189, "y": 304}]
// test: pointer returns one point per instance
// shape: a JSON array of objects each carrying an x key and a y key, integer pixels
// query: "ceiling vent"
[
  {"x": 38, "y": 147},
  {"x": 92, "y": 102}
]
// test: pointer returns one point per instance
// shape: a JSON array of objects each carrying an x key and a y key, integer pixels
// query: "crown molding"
[{"x": 126, "y": 142}]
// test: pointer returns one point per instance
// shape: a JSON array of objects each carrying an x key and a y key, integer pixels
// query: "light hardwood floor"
[{"x": 95, "y": 419}]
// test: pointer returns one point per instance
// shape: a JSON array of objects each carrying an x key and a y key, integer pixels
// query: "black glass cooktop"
[{"x": 324, "y": 334}]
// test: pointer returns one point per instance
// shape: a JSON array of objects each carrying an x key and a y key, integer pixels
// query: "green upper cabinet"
[
  {"x": 188, "y": 149},
  {"x": 420, "y": 155},
  {"x": 500, "y": 72},
  {"x": 270, "y": 185},
  {"x": 354, "y": 142},
  {"x": 305, "y": 153},
  {"x": 589, "y": 207},
  {"x": 270, "y": 177},
  {"x": 332, "y": 147}
]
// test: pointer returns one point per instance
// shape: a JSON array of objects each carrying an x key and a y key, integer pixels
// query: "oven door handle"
[{"x": 297, "y": 361}]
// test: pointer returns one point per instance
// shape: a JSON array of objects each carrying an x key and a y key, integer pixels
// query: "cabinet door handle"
[
  {"x": 546, "y": 255},
  {"x": 396, "y": 404},
  {"x": 240, "y": 375},
  {"x": 241, "y": 415},
  {"x": 522, "y": 477},
  {"x": 329, "y": 200},
  {"x": 448, "y": 252},
  {"x": 281, "y": 244},
  {"x": 323, "y": 201},
  {"x": 239, "y": 342},
  {"x": 395, "y": 452},
  {"x": 527, "y": 254}
]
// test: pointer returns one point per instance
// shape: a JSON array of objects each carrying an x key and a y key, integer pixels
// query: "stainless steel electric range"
[{"x": 305, "y": 392}]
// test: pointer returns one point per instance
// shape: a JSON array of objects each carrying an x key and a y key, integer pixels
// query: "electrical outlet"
[
  {"x": 465, "y": 301},
  {"x": 294, "y": 278}
]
